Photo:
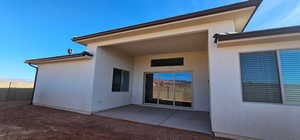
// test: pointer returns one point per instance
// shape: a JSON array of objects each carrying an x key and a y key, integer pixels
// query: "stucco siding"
[
  {"x": 195, "y": 62},
  {"x": 66, "y": 86},
  {"x": 256, "y": 120},
  {"x": 103, "y": 97}
]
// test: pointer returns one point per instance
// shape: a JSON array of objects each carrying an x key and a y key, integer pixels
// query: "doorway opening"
[{"x": 169, "y": 88}]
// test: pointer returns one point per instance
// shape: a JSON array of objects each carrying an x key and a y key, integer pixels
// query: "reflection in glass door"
[
  {"x": 183, "y": 89},
  {"x": 169, "y": 88},
  {"x": 166, "y": 88}
]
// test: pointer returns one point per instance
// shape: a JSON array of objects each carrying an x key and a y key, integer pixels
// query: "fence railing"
[{"x": 16, "y": 91}]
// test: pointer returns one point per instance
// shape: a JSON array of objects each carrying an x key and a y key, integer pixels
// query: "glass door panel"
[
  {"x": 166, "y": 88},
  {"x": 183, "y": 89},
  {"x": 169, "y": 88},
  {"x": 151, "y": 88},
  {"x": 155, "y": 86}
]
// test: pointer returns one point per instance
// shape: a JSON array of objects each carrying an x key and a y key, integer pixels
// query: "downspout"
[{"x": 35, "y": 79}]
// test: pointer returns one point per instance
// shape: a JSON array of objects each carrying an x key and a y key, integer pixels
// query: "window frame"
[
  {"x": 170, "y": 71},
  {"x": 167, "y": 62},
  {"x": 280, "y": 76},
  {"x": 241, "y": 75},
  {"x": 121, "y": 81}
]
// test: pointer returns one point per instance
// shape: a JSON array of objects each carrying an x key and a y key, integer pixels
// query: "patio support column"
[{"x": 214, "y": 70}]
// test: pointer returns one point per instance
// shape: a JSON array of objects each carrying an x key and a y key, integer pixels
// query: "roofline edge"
[{"x": 211, "y": 11}]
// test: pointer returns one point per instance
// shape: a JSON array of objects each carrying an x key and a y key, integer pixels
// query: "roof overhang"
[
  {"x": 258, "y": 37},
  {"x": 240, "y": 13},
  {"x": 73, "y": 57},
  {"x": 190, "y": 42}
]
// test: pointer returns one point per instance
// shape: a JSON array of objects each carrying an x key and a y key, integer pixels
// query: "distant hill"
[{"x": 15, "y": 80}]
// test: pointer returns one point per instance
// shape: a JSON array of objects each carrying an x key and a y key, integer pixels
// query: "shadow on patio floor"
[{"x": 181, "y": 119}]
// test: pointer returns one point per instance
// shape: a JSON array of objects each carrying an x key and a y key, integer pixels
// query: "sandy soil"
[{"x": 26, "y": 122}]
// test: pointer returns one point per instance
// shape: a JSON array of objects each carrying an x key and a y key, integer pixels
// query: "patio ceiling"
[{"x": 197, "y": 41}]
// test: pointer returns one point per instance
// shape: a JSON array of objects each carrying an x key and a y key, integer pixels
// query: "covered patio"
[
  {"x": 197, "y": 121},
  {"x": 175, "y": 96}
]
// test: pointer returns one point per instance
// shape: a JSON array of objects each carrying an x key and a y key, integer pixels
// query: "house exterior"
[{"x": 203, "y": 61}]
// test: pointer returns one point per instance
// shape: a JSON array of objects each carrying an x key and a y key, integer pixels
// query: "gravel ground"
[{"x": 27, "y": 122}]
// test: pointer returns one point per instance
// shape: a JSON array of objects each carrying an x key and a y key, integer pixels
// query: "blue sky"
[
  {"x": 186, "y": 76},
  {"x": 43, "y": 28}
]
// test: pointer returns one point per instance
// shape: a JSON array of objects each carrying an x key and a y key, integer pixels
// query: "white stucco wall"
[
  {"x": 103, "y": 97},
  {"x": 230, "y": 115},
  {"x": 107, "y": 58},
  {"x": 195, "y": 62},
  {"x": 65, "y": 85}
]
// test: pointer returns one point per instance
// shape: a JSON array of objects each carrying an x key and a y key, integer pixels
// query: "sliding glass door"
[
  {"x": 183, "y": 89},
  {"x": 151, "y": 88},
  {"x": 166, "y": 88},
  {"x": 172, "y": 88}
]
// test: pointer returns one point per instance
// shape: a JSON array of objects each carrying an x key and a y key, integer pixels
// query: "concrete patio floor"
[{"x": 181, "y": 119}]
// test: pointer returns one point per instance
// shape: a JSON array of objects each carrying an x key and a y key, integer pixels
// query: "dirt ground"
[{"x": 26, "y": 122}]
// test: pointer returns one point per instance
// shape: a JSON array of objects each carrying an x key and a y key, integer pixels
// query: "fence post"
[{"x": 8, "y": 91}]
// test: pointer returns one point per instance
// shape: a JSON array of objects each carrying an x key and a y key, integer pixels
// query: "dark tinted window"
[
  {"x": 125, "y": 81},
  {"x": 167, "y": 62},
  {"x": 120, "y": 80},
  {"x": 260, "y": 77}
]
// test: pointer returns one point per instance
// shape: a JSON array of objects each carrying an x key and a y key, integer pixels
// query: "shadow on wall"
[{"x": 16, "y": 91}]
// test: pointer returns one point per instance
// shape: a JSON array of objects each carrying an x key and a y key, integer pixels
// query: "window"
[
  {"x": 271, "y": 77},
  {"x": 167, "y": 62},
  {"x": 290, "y": 70},
  {"x": 120, "y": 80},
  {"x": 260, "y": 81}
]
